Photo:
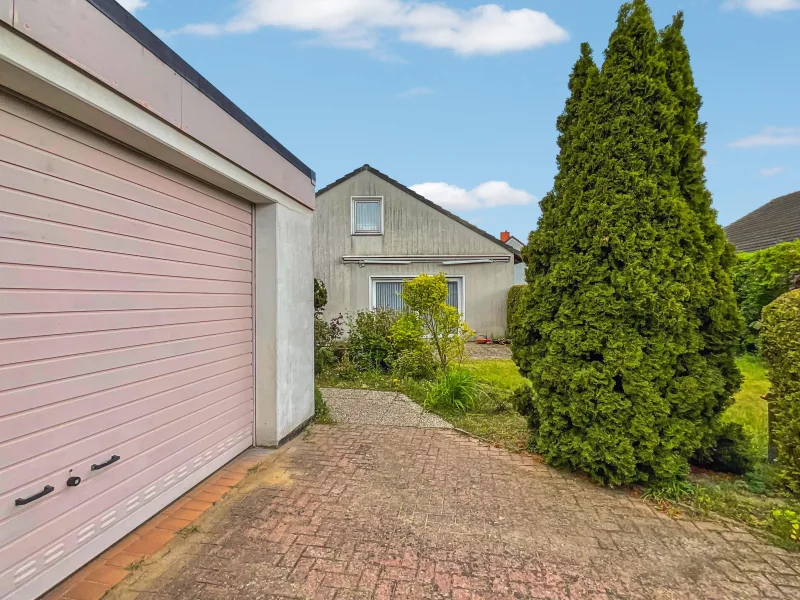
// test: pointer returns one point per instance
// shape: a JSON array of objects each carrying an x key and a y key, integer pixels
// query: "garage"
[
  {"x": 126, "y": 335},
  {"x": 149, "y": 292}
]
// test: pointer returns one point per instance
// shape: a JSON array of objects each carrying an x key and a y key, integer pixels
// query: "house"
[
  {"x": 519, "y": 268},
  {"x": 156, "y": 292},
  {"x": 775, "y": 222},
  {"x": 371, "y": 232}
]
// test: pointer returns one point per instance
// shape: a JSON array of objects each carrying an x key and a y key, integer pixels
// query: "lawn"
[
  {"x": 495, "y": 420},
  {"x": 749, "y": 408}
]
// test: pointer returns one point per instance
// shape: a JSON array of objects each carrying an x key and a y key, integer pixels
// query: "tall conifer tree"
[
  {"x": 721, "y": 323},
  {"x": 618, "y": 274}
]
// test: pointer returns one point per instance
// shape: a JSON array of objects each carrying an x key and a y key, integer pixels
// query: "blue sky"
[{"x": 461, "y": 102}]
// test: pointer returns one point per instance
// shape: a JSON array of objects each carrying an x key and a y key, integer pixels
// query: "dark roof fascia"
[
  {"x": 131, "y": 25},
  {"x": 433, "y": 205}
]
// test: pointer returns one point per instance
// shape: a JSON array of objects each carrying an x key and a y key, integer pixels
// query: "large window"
[
  {"x": 367, "y": 215},
  {"x": 386, "y": 293}
]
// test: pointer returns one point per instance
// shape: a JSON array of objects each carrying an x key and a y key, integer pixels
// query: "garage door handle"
[
  {"x": 23, "y": 501},
  {"x": 110, "y": 461}
]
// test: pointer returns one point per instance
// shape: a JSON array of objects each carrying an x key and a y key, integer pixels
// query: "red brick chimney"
[{"x": 505, "y": 236}]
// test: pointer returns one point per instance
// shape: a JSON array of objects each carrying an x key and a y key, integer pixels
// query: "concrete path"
[
  {"x": 360, "y": 512},
  {"x": 368, "y": 407}
]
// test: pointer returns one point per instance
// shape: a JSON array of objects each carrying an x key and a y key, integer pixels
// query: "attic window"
[{"x": 367, "y": 215}]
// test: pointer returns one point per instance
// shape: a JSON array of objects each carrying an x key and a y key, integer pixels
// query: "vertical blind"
[
  {"x": 452, "y": 294},
  {"x": 368, "y": 216},
  {"x": 387, "y": 294}
]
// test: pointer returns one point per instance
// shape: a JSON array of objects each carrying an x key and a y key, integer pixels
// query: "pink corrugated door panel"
[{"x": 126, "y": 341}]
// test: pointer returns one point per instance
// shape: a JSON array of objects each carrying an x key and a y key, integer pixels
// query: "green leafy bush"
[
  {"x": 761, "y": 277},
  {"x": 785, "y": 524},
  {"x": 325, "y": 333},
  {"x": 732, "y": 451},
  {"x": 515, "y": 309},
  {"x": 416, "y": 364},
  {"x": 780, "y": 338},
  {"x": 456, "y": 388},
  {"x": 369, "y": 344},
  {"x": 426, "y": 310},
  {"x": 630, "y": 326},
  {"x": 522, "y": 398},
  {"x": 414, "y": 354},
  {"x": 320, "y": 296}
]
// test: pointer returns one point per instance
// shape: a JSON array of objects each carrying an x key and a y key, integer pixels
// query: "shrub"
[
  {"x": 780, "y": 338},
  {"x": 325, "y": 333},
  {"x": 320, "y": 296},
  {"x": 785, "y": 524},
  {"x": 369, "y": 343},
  {"x": 515, "y": 309},
  {"x": 761, "y": 277},
  {"x": 732, "y": 451},
  {"x": 630, "y": 325},
  {"x": 416, "y": 364},
  {"x": 414, "y": 354},
  {"x": 425, "y": 300},
  {"x": 456, "y": 388},
  {"x": 522, "y": 399}
]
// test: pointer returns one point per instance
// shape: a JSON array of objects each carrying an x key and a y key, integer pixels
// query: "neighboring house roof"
[
  {"x": 514, "y": 238},
  {"x": 775, "y": 222},
  {"x": 433, "y": 205}
]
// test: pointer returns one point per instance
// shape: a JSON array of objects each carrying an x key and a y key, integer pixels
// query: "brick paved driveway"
[{"x": 375, "y": 512}]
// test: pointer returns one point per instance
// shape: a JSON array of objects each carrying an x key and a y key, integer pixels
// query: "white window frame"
[
  {"x": 462, "y": 287},
  {"x": 353, "y": 200}
]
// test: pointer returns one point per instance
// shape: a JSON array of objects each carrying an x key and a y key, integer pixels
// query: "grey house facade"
[{"x": 371, "y": 232}]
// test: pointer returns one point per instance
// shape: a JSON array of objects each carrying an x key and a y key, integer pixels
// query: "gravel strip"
[{"x": 369, "y": 407}]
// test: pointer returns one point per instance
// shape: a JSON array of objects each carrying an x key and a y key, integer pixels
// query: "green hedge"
[
  {"x": 761, "y": 277},
  {"x": 515, "y": 296},
  {"x": 780, "y": 339}
]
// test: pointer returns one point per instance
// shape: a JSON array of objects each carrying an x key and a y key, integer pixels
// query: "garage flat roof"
[{"x": 131, "y": 25}]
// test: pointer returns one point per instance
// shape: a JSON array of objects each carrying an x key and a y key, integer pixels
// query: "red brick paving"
[{"x": 355, "y": 512}]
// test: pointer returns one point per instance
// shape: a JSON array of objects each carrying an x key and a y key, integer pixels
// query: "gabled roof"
[
  {"x": 433, "y": 205},
  {"x": 775, "y": 222}
]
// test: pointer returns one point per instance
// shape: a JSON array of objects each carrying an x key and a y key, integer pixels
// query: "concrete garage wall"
[
  {"x": 284, "y": 309},
  {"x": 410, "y": 228}
]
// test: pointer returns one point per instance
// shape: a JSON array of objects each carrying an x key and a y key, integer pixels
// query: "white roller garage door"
[{"x": 125, "y": 341}]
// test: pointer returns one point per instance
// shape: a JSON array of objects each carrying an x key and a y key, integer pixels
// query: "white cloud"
[
  {"x": 770, "y": 136},
  {"x": 362, "y": 24},
  {"x": 417, "y": 91},
  {"x": 132, "y": 5},
  {"x": 762, "y": 7},
  {"x": 486, "y": 195},
  {"x": 772, "y": 171}
]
